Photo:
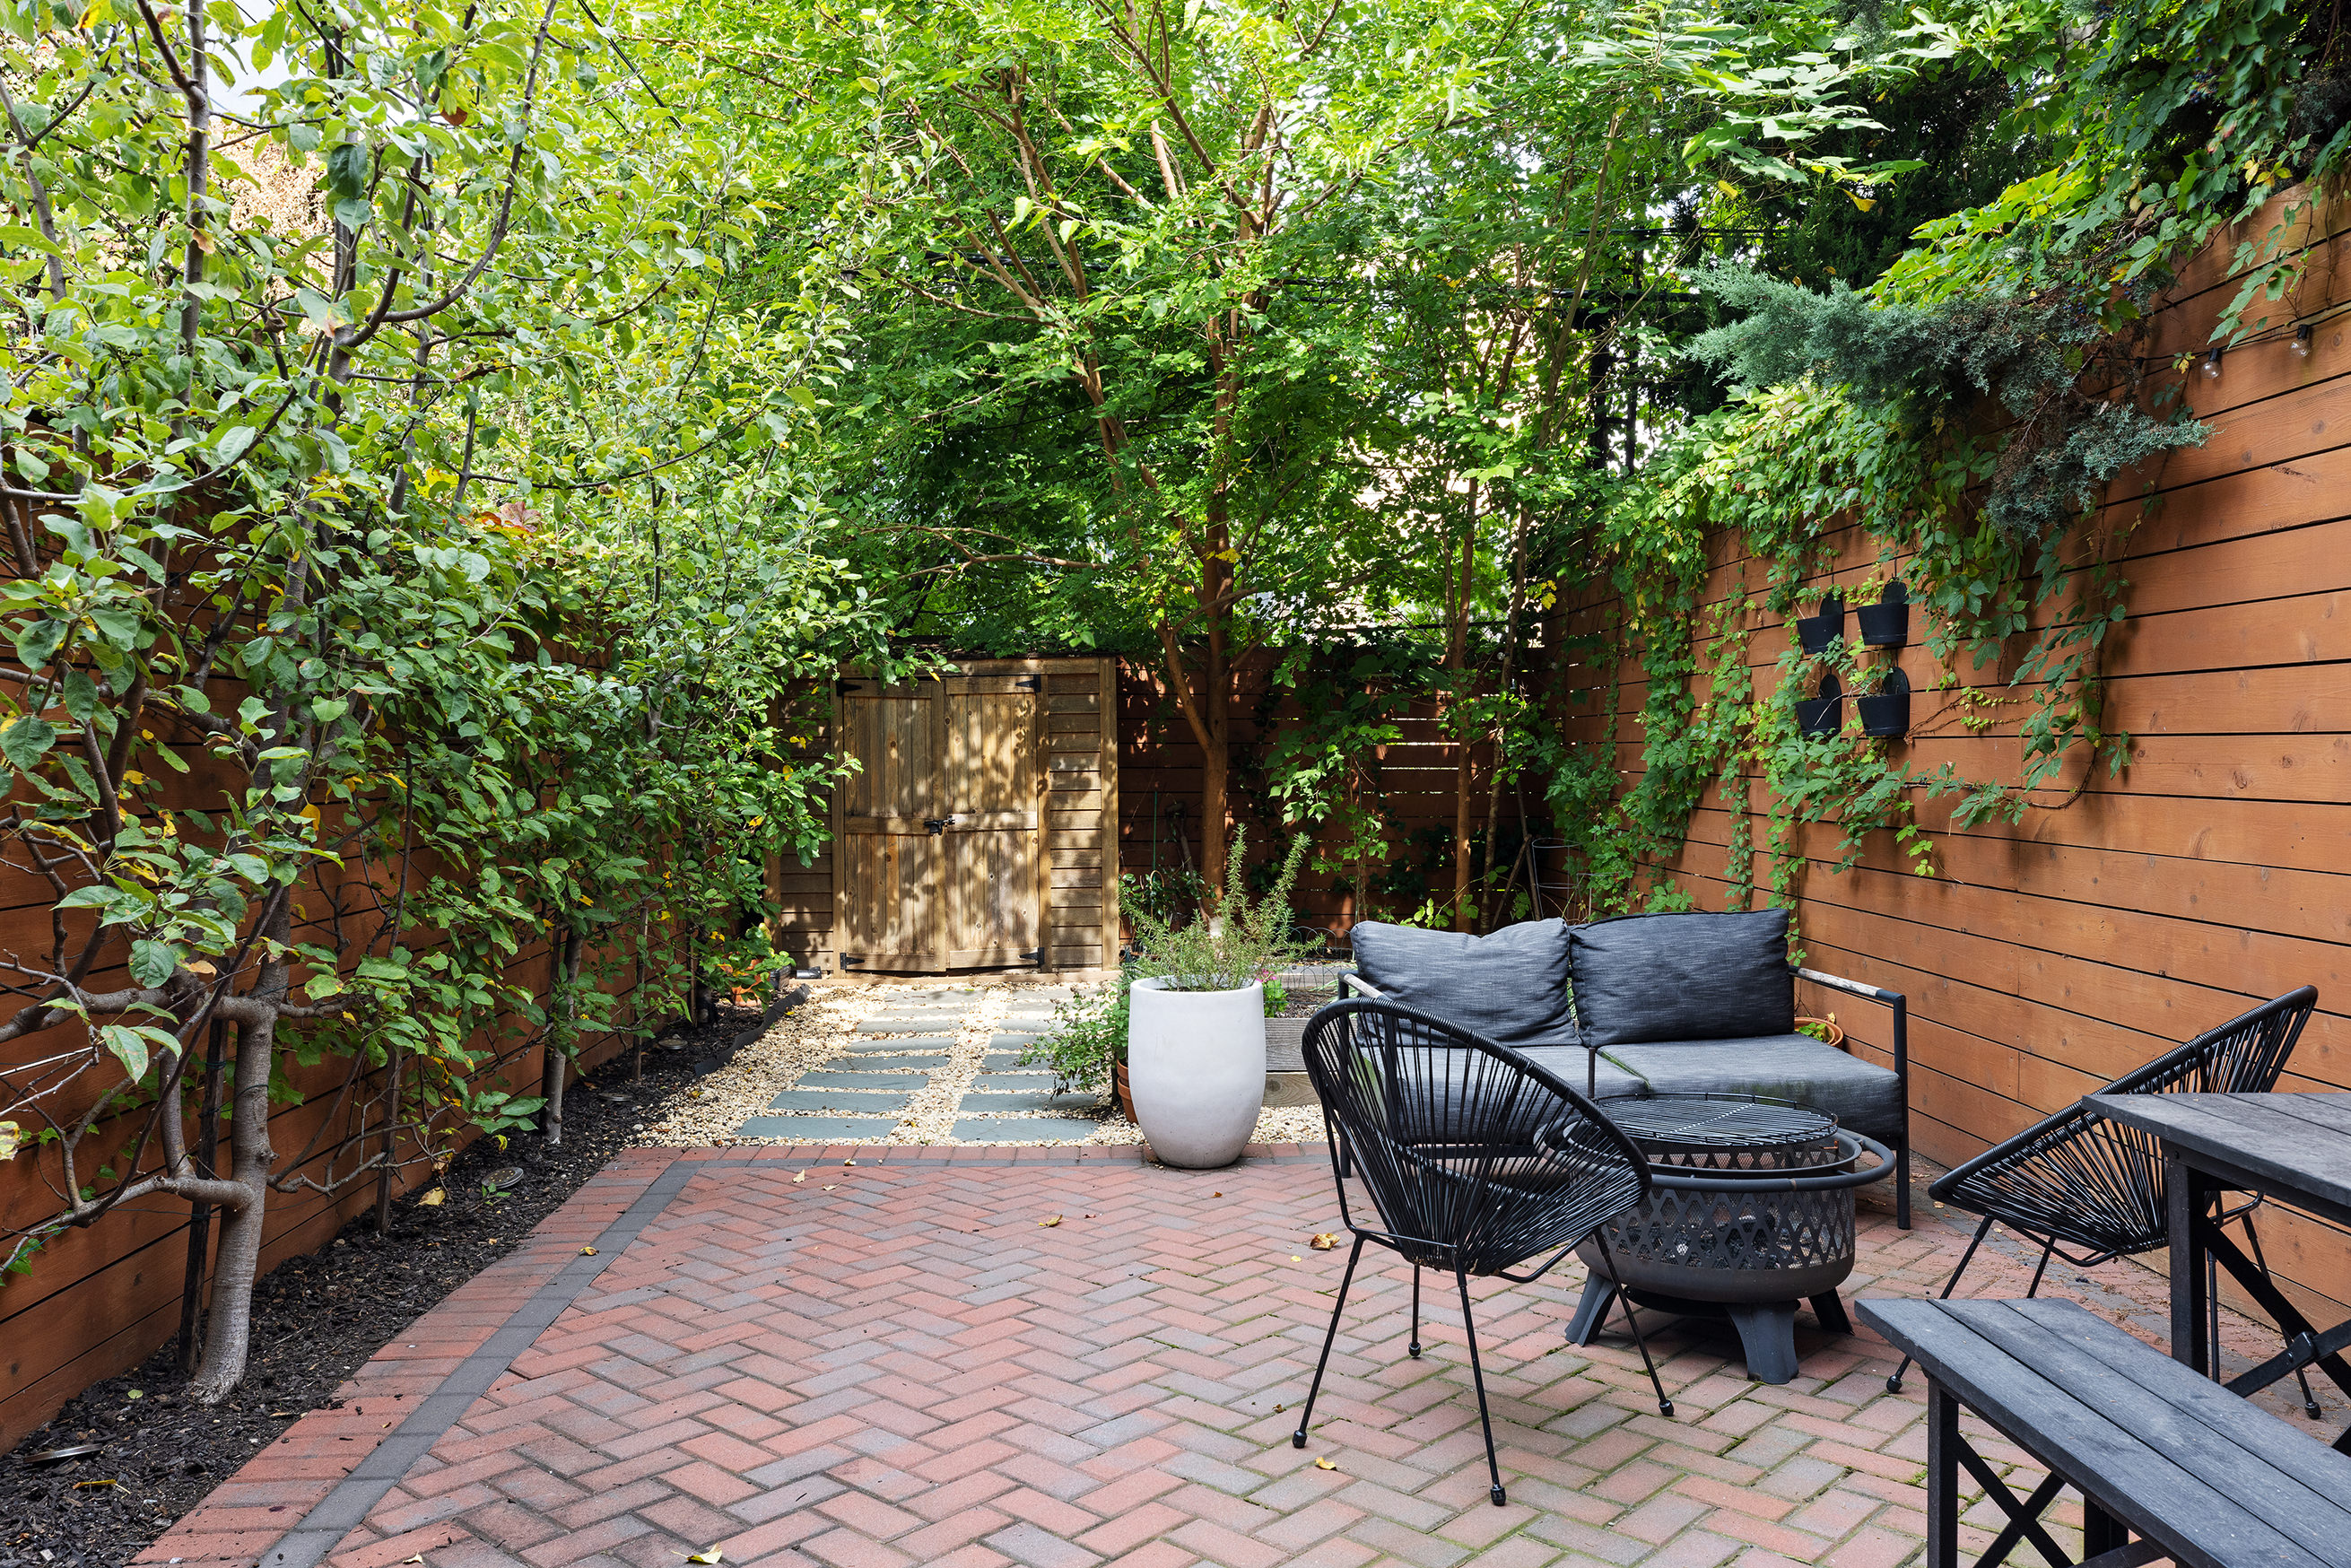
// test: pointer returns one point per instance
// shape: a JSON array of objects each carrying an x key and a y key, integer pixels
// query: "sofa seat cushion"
[
  {"x": 1509, "y": 986},
  {"x": 1567, "y": 1064},
  {"x": 1862, "y": 1095}
]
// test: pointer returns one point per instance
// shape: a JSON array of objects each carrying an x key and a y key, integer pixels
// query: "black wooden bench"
[{"x": 2198, "y": 1474}]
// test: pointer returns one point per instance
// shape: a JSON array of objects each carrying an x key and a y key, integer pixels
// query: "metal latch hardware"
[
  {"x": 1031, "y": 683},
  {"x": 938, "y": 824}
]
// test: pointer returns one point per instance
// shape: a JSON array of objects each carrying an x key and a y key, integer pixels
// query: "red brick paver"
[{"x": 899, "y": 1361}]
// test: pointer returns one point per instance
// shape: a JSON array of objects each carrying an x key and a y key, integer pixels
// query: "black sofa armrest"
[{"x": 1899, "y": 1005}]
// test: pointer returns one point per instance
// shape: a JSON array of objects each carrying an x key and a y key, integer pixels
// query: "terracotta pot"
[
  {"x": 1126, "y": 1096},
  {"x": 1837, "y": 1034}
]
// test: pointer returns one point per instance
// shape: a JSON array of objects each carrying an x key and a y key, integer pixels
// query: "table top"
[
  {"x": 2295, "y": 1146},
  {"x": 1703, "y": 1120}
]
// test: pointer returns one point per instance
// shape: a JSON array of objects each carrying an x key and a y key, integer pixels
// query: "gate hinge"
[
  {"x": 1031, "y": 683},
  {"x": 1034, "y": 955},
  {"x": 841, "y": 688},
  {"x": 849, "y": 962}
]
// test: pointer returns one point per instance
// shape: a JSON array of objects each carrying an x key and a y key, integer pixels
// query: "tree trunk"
[
  {"x": 228, "y": 1331},
  {"x": 563, "y": 955},
  {"x": 200, "y": 1218},
  {"x": 1457, "y": 658}
]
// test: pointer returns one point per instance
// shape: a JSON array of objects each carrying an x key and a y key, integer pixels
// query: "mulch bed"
[{"x": 316, "y": 1321}]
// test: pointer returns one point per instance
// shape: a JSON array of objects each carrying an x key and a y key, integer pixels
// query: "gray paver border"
[{"x": 352, "y": 1498}]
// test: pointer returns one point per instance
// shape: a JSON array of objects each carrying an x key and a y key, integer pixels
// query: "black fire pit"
[{"x": 1752, "y": 1212}]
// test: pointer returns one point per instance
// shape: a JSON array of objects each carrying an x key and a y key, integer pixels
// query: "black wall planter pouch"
[
  {"x": 1815, "y": 634},
  {"x": 1887, "y": 624},
  {"x": 1823, "y": 714},
  {"x": 1886, "y": 711}
]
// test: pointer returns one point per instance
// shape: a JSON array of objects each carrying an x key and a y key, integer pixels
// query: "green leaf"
[
  {"x": 153, "y": 963},
  {"x": 25, "y": 740},
  {"x": 80, "y": 695},
  {"x": 37, "y": 643},
  {"x": 130, "y": 1048},
  {"x": 330, "y": 709}
]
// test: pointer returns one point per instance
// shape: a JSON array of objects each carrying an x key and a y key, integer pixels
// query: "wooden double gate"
[{"x": 976, "y": 829}]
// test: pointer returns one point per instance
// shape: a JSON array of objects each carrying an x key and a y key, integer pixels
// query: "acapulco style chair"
[
  {"x": 1475, "y": 1159},
  {"x": 2081, "y": 1179}
]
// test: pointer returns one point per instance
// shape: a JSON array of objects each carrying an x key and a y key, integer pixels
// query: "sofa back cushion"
[
  {"x": 1509, "y": 986},
  {"x": 1682, "y": 977}
]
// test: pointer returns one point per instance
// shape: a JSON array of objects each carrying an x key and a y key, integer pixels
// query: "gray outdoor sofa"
[{"x": 1696, "y": 1003}]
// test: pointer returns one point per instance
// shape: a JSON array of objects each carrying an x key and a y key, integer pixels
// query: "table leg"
[
  {"x": 1943, "y": 1478},
  {"x": 2188, "y": 1193}
]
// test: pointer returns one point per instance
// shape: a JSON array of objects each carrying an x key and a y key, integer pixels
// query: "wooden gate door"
[{"x": 940, "y": 849}]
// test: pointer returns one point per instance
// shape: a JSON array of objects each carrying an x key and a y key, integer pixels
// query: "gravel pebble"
[{"x": 812, "y": 1035}]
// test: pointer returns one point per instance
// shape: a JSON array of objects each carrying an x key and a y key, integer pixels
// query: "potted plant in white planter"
[{"x": 1196, "y": 1017}]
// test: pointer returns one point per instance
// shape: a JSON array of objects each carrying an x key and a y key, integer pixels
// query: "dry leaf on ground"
[
  {"x": 1324, "y": 1240},
  {"x": 434, "y": 1199},
  {"x": 1323, "y": 1464},
  {"x": 1049, "y": 1223}
]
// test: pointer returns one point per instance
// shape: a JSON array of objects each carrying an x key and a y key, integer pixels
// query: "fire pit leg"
[
  {"x": 1599, "y": 1296},
  {"x": 1767, "y": 1331},
  {"x": 1829, "y": 1307}
]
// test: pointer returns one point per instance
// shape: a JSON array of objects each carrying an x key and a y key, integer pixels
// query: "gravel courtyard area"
[{"x": 928, "y": 1061}]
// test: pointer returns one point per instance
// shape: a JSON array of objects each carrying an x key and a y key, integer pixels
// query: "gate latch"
[{"x": 938, "y": 824}]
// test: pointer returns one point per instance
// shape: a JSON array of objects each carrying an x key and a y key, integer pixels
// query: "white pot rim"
[{"x": 1161, "y": 983}]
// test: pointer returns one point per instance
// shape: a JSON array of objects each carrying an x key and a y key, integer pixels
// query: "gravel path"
[{"x": 876, "y": 1051}]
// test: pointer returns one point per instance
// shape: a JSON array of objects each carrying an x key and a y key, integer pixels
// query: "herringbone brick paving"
[{"x": 804, "y": 1362}]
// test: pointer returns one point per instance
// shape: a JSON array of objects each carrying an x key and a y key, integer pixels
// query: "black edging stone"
[{"x": 352, "y": 1498}]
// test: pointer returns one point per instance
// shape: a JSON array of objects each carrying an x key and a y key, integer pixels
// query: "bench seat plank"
[
  {"x": 2159, "y": 1492},
  {"x": 2236, "y": 1450},
  {"x": 2290, "y": 1452}
]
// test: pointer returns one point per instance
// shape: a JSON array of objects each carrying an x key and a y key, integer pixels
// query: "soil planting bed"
[{"x": 316, "y": 1320}]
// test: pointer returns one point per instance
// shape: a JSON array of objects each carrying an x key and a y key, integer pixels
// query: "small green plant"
[
  {"x": 1236, "y": 941},
  {"x": 1819, "y": 1029},
  {"x": 1088, "y": 1039}
]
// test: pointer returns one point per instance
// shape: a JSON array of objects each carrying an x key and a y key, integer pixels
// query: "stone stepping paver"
[
  {"x": 912, "y": 1042},
  {"x": 861, "y": 1080},
  {"x": 932, "y": 1023},
  {"x": 999, "y": 1060},
  {"x": 816, "y": 1129},
  {"x": 1013, "y": 1041},
  {"x": 1037, "y": 1100},
  {"x": 867, "y": 1059},
  {"x": 1011, "y": 1083},
  {"x": 854, "y": 1101},
  {"x": 1022, "y": 1130}
]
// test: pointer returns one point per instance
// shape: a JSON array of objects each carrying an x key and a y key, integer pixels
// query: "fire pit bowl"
[{"x": 1752, "y": 1211}]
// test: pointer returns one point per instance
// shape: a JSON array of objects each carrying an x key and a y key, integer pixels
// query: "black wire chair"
[
  {"x": 2079, "y": 1178},
  {"x": 1475, "y": 1159}
]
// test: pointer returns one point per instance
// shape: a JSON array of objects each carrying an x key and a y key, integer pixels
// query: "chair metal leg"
[
  {"x": 1894, "y": 1383},
  {"x": 2040, "y": 1267},
  {"x": 2301, "y": 1375},
  {"x": 1412, "y": 1346},
  {"x": 1297, "y": 1438},
  {"x": 1665, "y": 1405},
  {"x": 1478, "y": 1376}
]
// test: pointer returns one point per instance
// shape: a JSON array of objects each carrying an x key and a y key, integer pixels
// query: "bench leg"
[
  {"x": 1943, "y": 1478},
  {"x": 2101, "y": 1530}
]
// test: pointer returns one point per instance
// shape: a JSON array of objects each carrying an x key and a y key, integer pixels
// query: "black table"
[{"x": 2296, "y": 1148}]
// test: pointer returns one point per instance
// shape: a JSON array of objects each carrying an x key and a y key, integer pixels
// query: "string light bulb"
[
  {"x": 2302, "y": 340},
  {"x": 2212, "y": 363}
]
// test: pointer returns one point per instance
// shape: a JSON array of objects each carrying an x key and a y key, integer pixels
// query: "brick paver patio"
[{"x": 799, "y": 1361}]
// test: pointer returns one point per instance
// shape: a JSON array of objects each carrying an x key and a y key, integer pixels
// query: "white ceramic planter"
[{"x": 1195, "y": 1065}]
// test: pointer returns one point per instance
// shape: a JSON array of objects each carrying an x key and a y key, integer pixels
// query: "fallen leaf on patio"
[
  {"x": 1296, "y": 1259},
  {"x": 1324, "y": 1240},
  {"x": 1216, "y": 1194},
  {"x": 708, "y": 1554},
  {"x": 418, "y": 1558},
  {"x": 432, "y": 1199},
  {"x": 848, "y": 1163},
  {"x": 1279, "y": 1408},
  {"x": 586, "y": 1252},
  {"x": 1321, "y": 1464},
  {"x": 802, "y": 1177},
  {"x": 828, "y": 1189},
  {"x": 1049, "y": 1223}
]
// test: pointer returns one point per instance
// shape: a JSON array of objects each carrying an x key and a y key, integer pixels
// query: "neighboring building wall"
[{"x": 2045, "y": 959}]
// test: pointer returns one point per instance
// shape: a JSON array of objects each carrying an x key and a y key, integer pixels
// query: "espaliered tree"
[{"x": 342, "y": 347}]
